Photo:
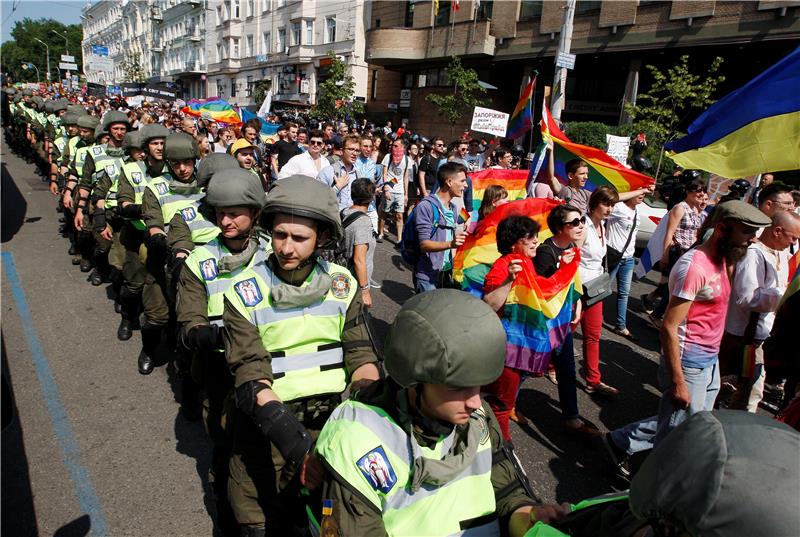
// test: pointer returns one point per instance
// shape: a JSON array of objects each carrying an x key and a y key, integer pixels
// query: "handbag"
[
  {"x": 613, "y": 257},
  {"x": 598, "y": 289}
]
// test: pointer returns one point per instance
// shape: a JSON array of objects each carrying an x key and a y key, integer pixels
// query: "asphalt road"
[{"x": 94, "y": 447}]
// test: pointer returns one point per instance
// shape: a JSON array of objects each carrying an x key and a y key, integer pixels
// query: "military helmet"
[
  {"x": 740, "y": 187},
  {"x": 88, "y": 122},
  {"x": 114, "y": 116},
  {"x": 213, "y": 163},
  {"x": 299, "y": 195},
  {"x": 70, "y": 118},
  {"x": 132, "y": 140},
  {"x": 60, "y": 105},
  {"x": 235, "y": 187},
  {"x": 76, "y": 109},
  {"x": 464, "y": 341},
  {"x": 691, "y": 175},
  {"x": 38, "y": 101},
  {"x": 150, "y": 131},
  {"x": 100, "y": 130},
  {"x": 48, "y": 106},
  {"x": 180, "y": 146},
  {"x": 17, "y": 98}
]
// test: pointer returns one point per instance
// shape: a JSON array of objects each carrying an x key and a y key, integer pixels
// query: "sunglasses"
[
  {"x": 316, "y": 142},
  {"x": 577, "y": 222}
]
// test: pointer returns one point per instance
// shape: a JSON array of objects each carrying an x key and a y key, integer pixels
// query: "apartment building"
[
  {"x": 285, "y": 43},
  {"x": 179, "y": 51},
  {"x": 409, "y": 45}
]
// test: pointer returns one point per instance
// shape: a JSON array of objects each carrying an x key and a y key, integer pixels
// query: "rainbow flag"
[
  {"x": 794, "y": 281},
  {"x": 538, "y": 310},
  {"x": 603, "y": 169},
  {"x": 521, "y": 120},
  {"x": 463, "y": 216},
  {"x": 514, "y": 181},
  {"x": 794, "y": 265},
  {"x": 215, "y": 109}
]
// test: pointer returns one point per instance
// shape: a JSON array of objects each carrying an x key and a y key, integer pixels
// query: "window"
[
  {"x": 586, "y": 6},
  {"x": 220, "y": 88},
  {"x": 233, "y": 87},
  {"x": 281, "y": 39},
  {"x": 251, "y": 8},
  {"x": 235, "y": 9},
  {"x": 295, "y": 33},
  {"x": 309, "y": 33},
  {"x": 249, "y": 46},
  {"x": 409, "y": 19},
  {"x": 374, "y": 84},
  {"x": 267, "y": 5},
  {"x": 281, "y": 3},
  {"x": 484, "y": 11},
  {"x": 531, "y": 9},
  {"x": 250, "y": 85},
  {"x": 408, "y": 80},
  {"x": 235, "y": 55},
  {"x": 330, "y": 29},
  {"x": 443, "y": 18},
  {"x": 219, "y": 53},
  {"x": 266, "y": 46}
]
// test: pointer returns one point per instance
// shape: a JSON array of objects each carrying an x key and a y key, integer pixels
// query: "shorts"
[{"x": 394, "y": 205}]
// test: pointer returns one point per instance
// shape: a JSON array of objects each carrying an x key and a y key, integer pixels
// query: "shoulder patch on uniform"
[
  {"x": 97, "y": 150},
  {"x": 377, "y": 469},
  {"x": 340, "y": 285},
  {"x": 162, "y": 188},
  {"x": 188, "y": 214},
  {"x": 483, "y": 423},
  {"x": 249, "y": 292},
  {"x": 136, "y": 177},
  {"x": 209, "y": 269},
  {"x": 111, "y": 169}
]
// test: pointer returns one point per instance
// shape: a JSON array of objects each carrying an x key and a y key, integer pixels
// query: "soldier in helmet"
[
  {"x": 234, "y": 199},
  {"x": 72, "y": 199},
  {"x": 420, "y": 453},
  {"x": 132, "y": 184},
  {"x": 295, "y": 335}
]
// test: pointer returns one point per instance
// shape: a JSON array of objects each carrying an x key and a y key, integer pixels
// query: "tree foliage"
[
  {"x": 24, "y": 47},
  {"x": 673, "y": 95},
  {"x": 260, "y": 90},
  {"x": 466, "y": 93},
  {"x": 335, "y": 96},
  {"x": 132, "y": 68}
]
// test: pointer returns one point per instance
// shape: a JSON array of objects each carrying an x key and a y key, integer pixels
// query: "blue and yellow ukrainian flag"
[{"x": 755, "y": 129}]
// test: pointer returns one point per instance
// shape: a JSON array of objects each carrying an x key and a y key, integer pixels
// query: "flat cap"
[{"x": 741, "y": 211}]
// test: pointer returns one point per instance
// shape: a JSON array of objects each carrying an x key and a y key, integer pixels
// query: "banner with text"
[{"x": 489, "y": 121}]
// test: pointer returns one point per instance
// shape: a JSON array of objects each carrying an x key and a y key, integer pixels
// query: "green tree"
[
  {"x": 672, "y": 96},
  {"x": 466, "y": 93},
  {"x": 260, "y": 90},
  {"x": 335, "y": 96},
  {"x": 132, "y": 68},
  {"x": 24, "y": 47}
]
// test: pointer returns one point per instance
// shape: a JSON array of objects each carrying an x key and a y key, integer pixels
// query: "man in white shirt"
[
  {"x": 309, "y": 163},
  {"x": 759, "y": 282},
  {"x": 342, "y": 173}
]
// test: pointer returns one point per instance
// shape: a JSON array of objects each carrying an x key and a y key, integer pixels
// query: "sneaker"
[
  {"x": 551, "y": 376},
  {"x": 579, "y": 427},
  {"x": 654, "y": 321},
  {"x": 647, "y": 304},
  {"x": 518, "y": 417},
  {"x": 374, "y": 284},
  {"x": 379, "y": 238},
  {"x": 619, "y": 458},
  {"x": 602, "y": 389}
]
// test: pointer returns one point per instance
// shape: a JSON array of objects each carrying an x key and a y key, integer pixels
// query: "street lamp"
[
  {"x": 48, "y": 57},
  {"x": 29, "y": 65},
  {"x": 66, "y": 45}
]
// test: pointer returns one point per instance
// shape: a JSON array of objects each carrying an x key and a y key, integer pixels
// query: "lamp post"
[
  {"x": 29, "y": 65},
  {"x": 66, "y": 44},
  {"x": 47, "y": 49}
]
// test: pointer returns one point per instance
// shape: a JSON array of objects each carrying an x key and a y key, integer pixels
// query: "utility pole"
[
  {"x": 47, "y": 51},
  {"x": 560, "y": 78}
]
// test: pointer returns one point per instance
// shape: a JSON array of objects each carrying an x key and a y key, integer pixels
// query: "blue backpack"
[{"x": 410, "y": 249}]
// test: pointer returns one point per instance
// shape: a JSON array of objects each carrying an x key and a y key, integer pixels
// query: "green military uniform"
[
  {"x": 305, "y": 341},
  {"x": 393, "y": 470}
]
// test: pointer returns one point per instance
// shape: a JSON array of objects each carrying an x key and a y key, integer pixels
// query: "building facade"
[
  {"x": 409, "y": 45},
  {"x": 285, "y": 44}
]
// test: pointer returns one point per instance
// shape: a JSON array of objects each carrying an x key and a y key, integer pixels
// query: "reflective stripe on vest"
[
  {"x": 540, "y": 529},
  {"x": 203, "y": 261},
  {"x": 136, "y": 173},
  {"x": 202, "y": 230},
  {"x": 309, "y": 336},
  {"x": 112, "y": 166},
  {"x": 79, "y": 159},
  {"x": 366, "y": 448},
  {"x": 72, "y": 144}
]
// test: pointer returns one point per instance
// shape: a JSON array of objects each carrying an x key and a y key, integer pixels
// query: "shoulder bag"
[{"x": 613, "y": 257}]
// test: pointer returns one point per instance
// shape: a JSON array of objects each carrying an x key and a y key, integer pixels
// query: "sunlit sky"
[{"x": 65, "y": 11}]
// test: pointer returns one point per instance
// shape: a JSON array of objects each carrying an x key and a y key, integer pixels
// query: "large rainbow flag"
[
  {"x": 215, "y": 109},
  {"x": 603, "y": 169},
  {"x": 521, "y": 120},
  {"x": 514, "y": 181},
  {"x": 538, "y": 310}
]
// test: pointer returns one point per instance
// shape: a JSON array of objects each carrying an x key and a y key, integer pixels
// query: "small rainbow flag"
[
  {"x": 463, "y": 216},
  {"x": 514, "y": 181},
  {"x": 215, "y": 109},
  {"x": 603, "y": 169},
  {"x": 521, "y": 120},
  {"x": 538, "y": 310},
  {"x": 794, "y": 265}
]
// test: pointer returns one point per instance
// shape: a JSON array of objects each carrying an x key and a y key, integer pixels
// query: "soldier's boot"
[
  {"x": 115, "y": 277},
  {"x": 151, "y": 338},
  {"x": 190, "y": 391},
  {"x": 101, "y": 268},
  {"x": 253, "y": 531},
  {"x": 85, "y": 244},
  {"x": 129, "y": 310}
]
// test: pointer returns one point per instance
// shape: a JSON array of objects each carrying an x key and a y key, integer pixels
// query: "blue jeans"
[
  {"x": 623, "y": 273},
  {"x": 563, "y": 360},
  {"x": 703, "y": 385}
]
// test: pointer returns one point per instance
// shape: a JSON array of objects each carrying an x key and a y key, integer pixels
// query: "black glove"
[
  {"x": 281, "y": 428},
  {"x": 132, "y": 211},
  {"x": 99, "y": 220},
  {"x": 157, "y": 245},
  {"x": 204, "y": 337}
]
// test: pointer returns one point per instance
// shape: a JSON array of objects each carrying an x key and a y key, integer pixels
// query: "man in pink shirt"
[{"x": 699, "y": 287}]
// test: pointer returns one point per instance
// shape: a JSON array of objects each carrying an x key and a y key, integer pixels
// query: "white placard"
[
  {"x": 565, "y": 59},
  {"x": 136, "y": 100},
  {"x": 67, "y": 58},
  {"x": 617, "y": 148},
  {"x": 101, "y": 63},
  {"x": 265, "y": 106},
  {"x": 68, "y": 66},
  {"x": 489, "y": 121}
]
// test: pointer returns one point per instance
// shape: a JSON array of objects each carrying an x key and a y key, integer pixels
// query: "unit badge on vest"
[
  {"x": 483, "y": 423},
  {"x": 249, "y": 292},
  {"x": 111, "y": 169},
  {"x": 209, "y": 269},
  {"x": 188, "y": 214},
  {"x": 136, "y": 177},
  {"x": 97, "y": 150},
  {"x": 162, "y": 188},
  {"x": 378, "y": 470},
  {"x": 340, "y": 285}
]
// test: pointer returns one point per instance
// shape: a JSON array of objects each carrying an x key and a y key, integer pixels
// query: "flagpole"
[{"x": 530, "y": 107}]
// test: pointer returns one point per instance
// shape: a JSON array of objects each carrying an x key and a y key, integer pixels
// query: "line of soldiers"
[{"x": 274, "y": 337}]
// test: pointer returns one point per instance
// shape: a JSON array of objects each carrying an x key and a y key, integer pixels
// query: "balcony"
[
  {"x": 194, "y": 36},
  {"x": 396, "y": 46},
  {"x": 156, "y": 47},
  {"x": 193, "y": 66}
]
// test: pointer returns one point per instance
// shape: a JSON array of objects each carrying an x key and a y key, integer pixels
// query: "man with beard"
[{"x": 699, "y": 288}]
